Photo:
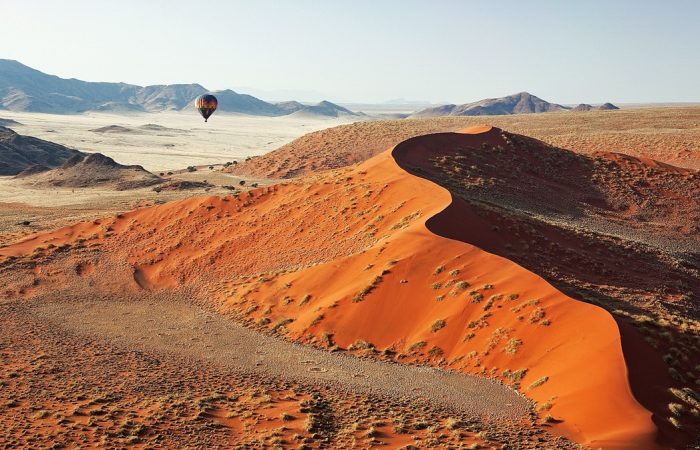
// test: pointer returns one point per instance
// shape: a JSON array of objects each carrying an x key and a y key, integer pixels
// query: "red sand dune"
[{"x": 359, "y": 258}]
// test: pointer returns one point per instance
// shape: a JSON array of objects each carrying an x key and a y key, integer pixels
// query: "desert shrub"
[
  {"x": 282, "y": 323},
  {"x": 317, "y": 320},
  {"x": 452, "y": 424},
  {"x": 536, "y": 315},
  {"x": 512, "y": 346},
  {"x": 687, "y": 395},
  {"x": 515, "y": 375},
  {"x": 362, "y": 294},
  {"x": 546, "y": 406},
  {"x": 676, "y": 423},
  {"x": 191, "y": 169},
  {"x": 676, "y": 409},
  {"x": 549, "y": 419},
  {"x": 361, "y": 345},
  {"x": 438, "y": 325},
  {"x": 462, "y": 284},
  {"x": 435, "y": 351},
  {"x": 538, "y": 382},
  {"x": 438, "y": 270},
  {"x": 417, "y": 346},
  {"x": 327, "y": 339}
]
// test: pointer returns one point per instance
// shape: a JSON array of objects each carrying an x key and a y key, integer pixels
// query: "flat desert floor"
[{"x": 178, "y": 140}]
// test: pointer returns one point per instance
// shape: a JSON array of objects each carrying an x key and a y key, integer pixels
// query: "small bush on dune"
[
  {"x": 675, "y": 422},
  {"x": 417, "y": 346},
  {"x": 435, "y": 351},
  {"x": 676, "y": 409},
  {"x": 361, "y": 345},
  {"x": 538, "y": 382},
  {"x": 438, "y": 325},
  {"x": 305, "y": 299}
]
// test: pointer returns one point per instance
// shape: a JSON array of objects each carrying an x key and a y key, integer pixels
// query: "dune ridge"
[{"x": 373, "y": 284}]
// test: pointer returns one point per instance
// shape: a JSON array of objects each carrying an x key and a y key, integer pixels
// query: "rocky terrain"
[
  {"x": 89, "y": 171},
  {"x": 18, "y": 153}
]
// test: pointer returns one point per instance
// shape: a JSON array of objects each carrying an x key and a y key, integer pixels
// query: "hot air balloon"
[{"x": 206, "y": 104}]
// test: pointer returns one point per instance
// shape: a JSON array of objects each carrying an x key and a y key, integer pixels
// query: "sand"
[
  {"x": 397, "y": 259},
  {"x": 367, "y": 246}
]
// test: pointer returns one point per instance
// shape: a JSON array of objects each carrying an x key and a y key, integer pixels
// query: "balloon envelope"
[{"x": 206, "y": 104}]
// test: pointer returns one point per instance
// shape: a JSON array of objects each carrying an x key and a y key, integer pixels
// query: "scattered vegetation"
[
  {"x": 438, "y": 325},
  {"x": 538, "y": 382},
  {"x": 435, "y": 351},
  {"x": 514, "y": 376},
  {"x": 365, "y": 291},
  {"x": 536, "y": 315},
  {"x": 417, "y": 346},
  {"x": 512, "y": 346}
]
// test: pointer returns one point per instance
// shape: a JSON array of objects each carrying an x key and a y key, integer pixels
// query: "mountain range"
[
  {"x": 25, "y": 89},
  {"x": 520, "y": 103}
]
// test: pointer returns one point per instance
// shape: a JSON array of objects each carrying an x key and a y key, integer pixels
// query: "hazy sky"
[{"x": 370, "y": 51}]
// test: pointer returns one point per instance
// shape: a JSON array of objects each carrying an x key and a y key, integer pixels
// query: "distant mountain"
[
  {"x": 18, "y": 152},
  {"x": 167, "y": 97},
  {"x": 607, "y": 107},
  {"x": 324, "y": 108},
  {"x": 586, "y": 107},
  {"x": 521, "y": 103},
  {"x": 95, "y": 169},
  {"x": 230, "y": 101},
  {"x": 25, "y": 89},
  {"x": 290, "y": 107},
  {"x": 582, "y": 107}
]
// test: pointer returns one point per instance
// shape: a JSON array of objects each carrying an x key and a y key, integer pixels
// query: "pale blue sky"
[{"x": 371, "y": 51}]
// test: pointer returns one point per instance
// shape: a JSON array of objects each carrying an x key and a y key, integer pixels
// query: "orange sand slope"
[{"x": 346, "y": 258}]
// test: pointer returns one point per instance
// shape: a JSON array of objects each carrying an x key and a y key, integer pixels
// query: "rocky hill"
[
  {"x": 520, "y": 103},
  {"x": 92, "y": 170},
  {"x": 18, "y": 152}
]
